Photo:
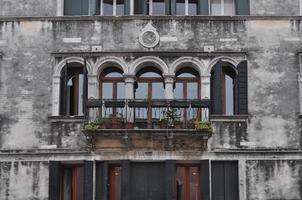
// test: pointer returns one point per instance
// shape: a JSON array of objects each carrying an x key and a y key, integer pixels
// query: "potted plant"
[
  {"x": 170, "y": 119},
  {"x": 116, "y": 121},
  {"x": 205, "y": 126},
  {"x": 90, "y": 127},
  {"x": 102, "y": 122}
]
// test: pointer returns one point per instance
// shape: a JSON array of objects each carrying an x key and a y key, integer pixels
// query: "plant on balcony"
[
  {"x": 90, "y": 127},
  {"x": 170, "y": 119},
  {"x": 206, "y": 126}
]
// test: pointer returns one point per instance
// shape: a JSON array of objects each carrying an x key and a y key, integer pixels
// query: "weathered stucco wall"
[
  {"x": 28, "y": 8},
  {"x": 279, "y": 179},
  {"x": 274, "y": 7},
  {"x": 27, "y": 69},
  {"x": 23, "y": 180}
]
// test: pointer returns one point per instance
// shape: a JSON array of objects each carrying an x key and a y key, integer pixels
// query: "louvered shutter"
[
  {"x": 216, "y": 88},
  {"x": 205, "y": 179},
  {"x": 85, "y": 87},
  {"x": 242, "y": 7},
  {"x": 54, "y": 180},
  {"x": 63, "y": 91},
  {"x": 88, "y": 180},
  {"x": 203, "y": 7},
  {"x": 242, "y": 88}
]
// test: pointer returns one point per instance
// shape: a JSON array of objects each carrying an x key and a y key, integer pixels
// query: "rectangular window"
[
  {"x": 224, "y": 180},
  {"x": 223, "y": 7},
  {"x": 76, "y": 7},
  {"x": 157, "y": 7},
  {"x": 112, "y": 7},
  {"x": 186, "y": 7}
]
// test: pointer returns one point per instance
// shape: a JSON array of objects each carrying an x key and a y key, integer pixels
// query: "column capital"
[
  {"x": 300, "y": 77},
  {"x": 168, "y": 75},
  {"x": 129, "y": 78}
]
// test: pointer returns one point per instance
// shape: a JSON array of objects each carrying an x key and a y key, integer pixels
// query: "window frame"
[
  {"x": 222, "y": 10},
  {"x": 114, "y": 8}
]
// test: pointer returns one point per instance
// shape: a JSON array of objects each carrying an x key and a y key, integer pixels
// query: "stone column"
[
  {"x": 205, "y": 87},
  {"x": 93, "y": 87},
  {"x": 129, "y": 94},
  {"x": 300, "y": 91},
  {"x": 205, "y": 94},
  {"x": 169, "y": 81},
  {"x": 56, "y": 95}
]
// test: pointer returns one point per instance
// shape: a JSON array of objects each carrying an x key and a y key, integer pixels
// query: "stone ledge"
[
  {"x": 149, "y": 17},
  {"x": 61, "y": 118}
]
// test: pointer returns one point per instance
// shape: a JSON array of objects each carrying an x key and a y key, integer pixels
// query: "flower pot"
[{"x": 129, "y": 125}]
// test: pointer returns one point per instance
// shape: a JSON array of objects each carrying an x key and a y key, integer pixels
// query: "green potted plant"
[
  {"x": 170, "y": 119},
  {"x": 206, "y": 126},
  {"x": 90, "y": 127}
]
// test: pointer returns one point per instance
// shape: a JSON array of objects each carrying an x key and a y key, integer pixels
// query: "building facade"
[{"x": 150, "y": 100}]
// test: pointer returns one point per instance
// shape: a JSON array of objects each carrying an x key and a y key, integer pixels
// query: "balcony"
[{"x": 147, "y": 124}]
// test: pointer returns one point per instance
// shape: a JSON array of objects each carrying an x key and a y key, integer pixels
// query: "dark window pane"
[
  {"x": 107, "y": 7},
  {"x": 158, "y": 7},
  {"x": 180, "y": 7},
  {"x": 67, "y": 184},
  {"x": 120, "y": 7},
  {"x": 192, "y": 7}
]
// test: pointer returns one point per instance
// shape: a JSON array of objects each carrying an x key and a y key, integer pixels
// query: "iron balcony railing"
[{"x": 146, "y": 114}]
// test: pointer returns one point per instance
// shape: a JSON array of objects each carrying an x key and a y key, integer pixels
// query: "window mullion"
[
  {"x": 186, "y": 7},
  {"x": 150, "y": 7},
  {"x": 101, "y": 7},
  {"x": 222, "y": 7},
  {"x": 114, "y": 8}
]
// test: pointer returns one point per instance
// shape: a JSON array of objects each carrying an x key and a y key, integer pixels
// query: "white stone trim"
[
  {"x": 56, "y": 82},
  {"x": 188, "y": 62},
  {"x": 104, "y": 62},
  {"x": 147, "y": 60},
  {"x": 211, "y": 64},
  {"x": 300, "y": 7},
  {"x": 60, "y": 7}
]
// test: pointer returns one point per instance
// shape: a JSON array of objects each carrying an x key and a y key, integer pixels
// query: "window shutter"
[
  {"x": 170, "y": 179},
  {"x": 242, "y": 87},
  {"x": 126, "y": 180},
  {"x": 203, "y": 7},
  {"x": 101, "y": 192},
  {"x": 54, "y": 180},
  {"x": 170, "y": 7},
  {"x": 63, "y": 98},
  {"x": 205, "y": 179},
  {"x": 242, "y": 7},
  {"x": 85, "y": 86},
  {"x": 127, "y": 7},
  {"x": 216, "y": 88},
  {"x": 140, "y": 7},
  {"x": 88, "y": 180}
]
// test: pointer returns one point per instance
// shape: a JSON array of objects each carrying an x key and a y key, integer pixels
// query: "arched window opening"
[
  {"x": 149, "y": 86},
  {"x": 112, "y": 84},
  {"x": 187, "y": 87},
  {"x": 223, "y": 89},
  {"x": 72, "y": 90},
  {"x": 187, "y": 84}
]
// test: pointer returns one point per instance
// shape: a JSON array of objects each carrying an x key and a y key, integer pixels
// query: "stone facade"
[{"x": 267, "y": 143}]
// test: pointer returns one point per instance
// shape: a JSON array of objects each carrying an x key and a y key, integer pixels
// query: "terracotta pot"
[{"x": 129, "y": 125}]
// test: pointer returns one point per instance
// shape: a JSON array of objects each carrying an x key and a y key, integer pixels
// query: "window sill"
[
  {"x": 61, "y": 118},
  {"x": 229, "y": 118}
]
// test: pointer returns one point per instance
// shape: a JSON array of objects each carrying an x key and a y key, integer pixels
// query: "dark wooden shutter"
[
  {"x": 101, "y": 181},
  {"x": 127, "y": 7},
  {"x": 242, "y": 7},
  {"x": 54, "y": 180},
  {"x": 88, "y": 180},
  {"x": 170, "y": 172},
  {"x": 126, "y": 180},
  {"x": 140, "y": 7},
  {"x": 242, "y": 88},
  {"x": 85, "y": 86},
  {"x": 216, "y": 88},
  {"x": 63, "y": 90},
  {"x": 205, "y": 179},
  {"x": 170, "y": 7},
  {"x": 225, "y": 181},
  {"x": 203, "y": 7}
]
